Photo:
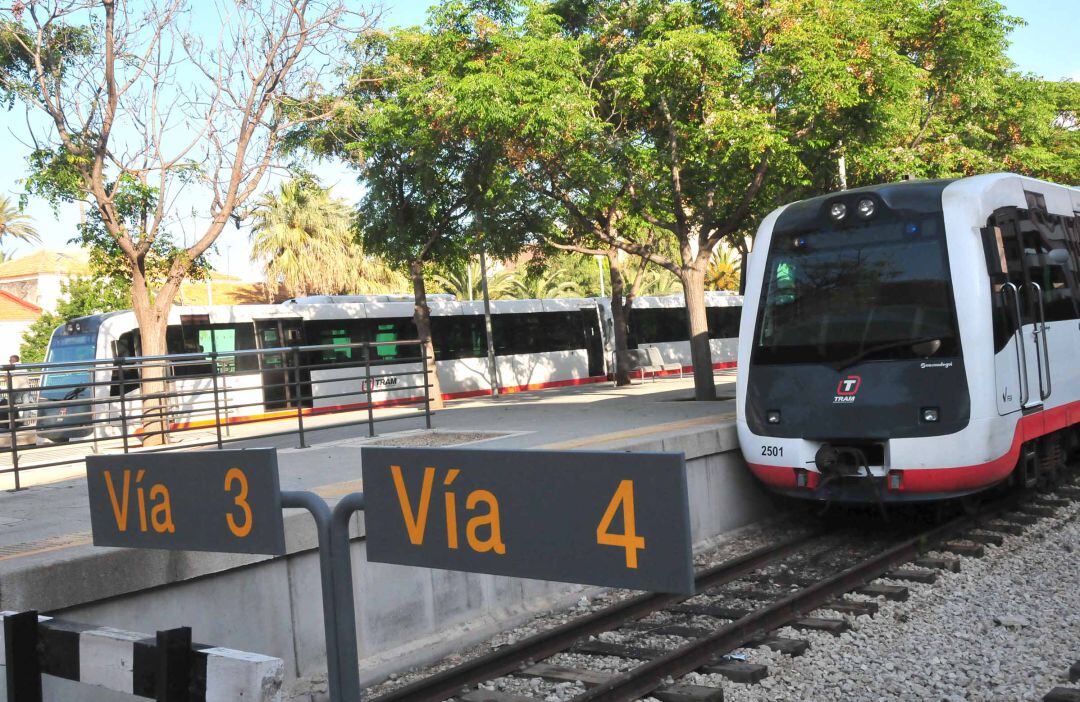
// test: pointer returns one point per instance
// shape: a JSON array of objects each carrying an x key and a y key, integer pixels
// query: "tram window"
[
  {"x": 723, "y": 322},
  {"x": 337, "y": 332},
  {"x": 537, "y": 332},
  {"x": 656, "y": 325},
  {"x": 207, "y": 338},
  {"x": 459, "y": 336},
  {"x": 391, "y": 330},
  {"x": 1058, "y": 302}
]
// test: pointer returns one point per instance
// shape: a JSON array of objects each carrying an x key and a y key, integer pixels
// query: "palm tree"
[
  {"x": 548, "y": 282},
  {"x": 462, "y": 279},
  {"x": 15, "y": 224},
  {"x": 723, "y": 271},
  {"x": 659, "y": 281},
  {"x": 303, "y": 238}
]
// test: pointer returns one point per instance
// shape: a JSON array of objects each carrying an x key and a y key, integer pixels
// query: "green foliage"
[
  {"x": 134, "y": 202},
  {"x": 80, "y": 297},
  {"x": 463, "y": 280},
  {"x": 303, "y": 239},
  {"x": 434, "y": 185}
]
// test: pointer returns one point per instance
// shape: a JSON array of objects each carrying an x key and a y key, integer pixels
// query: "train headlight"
[
  {"x": 865, "y": 208},
  {"x": 772, "y": 416},
  {"x": 838, "y": 211},
  {"x": 930, "y": 414}
]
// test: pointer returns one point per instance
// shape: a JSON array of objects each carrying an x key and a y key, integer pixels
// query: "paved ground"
[{"x": 51, "y": 517}]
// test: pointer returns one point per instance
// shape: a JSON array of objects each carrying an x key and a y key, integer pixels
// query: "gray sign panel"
[
  {"x": 615, "y": 519},
  {"x": 227, "y": 501}
]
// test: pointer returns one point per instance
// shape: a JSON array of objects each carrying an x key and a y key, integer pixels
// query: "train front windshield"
[
  {"x": 871, "y": 291},
  {"x": 67, "y": 348}
]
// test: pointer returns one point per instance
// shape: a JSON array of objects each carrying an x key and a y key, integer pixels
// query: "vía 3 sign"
[
  {"x": 615, "y": 519},
  {"x": 227, "y": 501}
]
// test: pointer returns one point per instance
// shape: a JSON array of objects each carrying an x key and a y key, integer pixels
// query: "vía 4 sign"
[
  {"x": 616, "y": 519},
  {"x": 227, "y": 501}
]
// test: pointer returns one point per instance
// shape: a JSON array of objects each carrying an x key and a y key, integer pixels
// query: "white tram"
[
  {"x": 912, "y": 341},
  {"x": 538, "y": 344}
]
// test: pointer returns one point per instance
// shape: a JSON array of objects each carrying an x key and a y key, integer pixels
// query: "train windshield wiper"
[{"x": 926, "y": 346}]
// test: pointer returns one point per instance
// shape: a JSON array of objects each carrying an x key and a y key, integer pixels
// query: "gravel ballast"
[{"x": 1007, "y": 627}]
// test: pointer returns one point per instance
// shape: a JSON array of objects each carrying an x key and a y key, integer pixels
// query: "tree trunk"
[
  {"x": 618, "y": 320},
  {"x": 422, "y": 317},
  {"x": 693, "y": 282},
  {"x": 152, "y": 326}
]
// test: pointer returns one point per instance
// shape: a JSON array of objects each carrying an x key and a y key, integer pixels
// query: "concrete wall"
[{"x": 407, "y": 616}]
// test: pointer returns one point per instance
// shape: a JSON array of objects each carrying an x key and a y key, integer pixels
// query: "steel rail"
[
  {"x": 508, "y": 659},
  {"x": 651, "y": 674}
]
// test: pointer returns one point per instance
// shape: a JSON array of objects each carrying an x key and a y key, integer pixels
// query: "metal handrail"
[
  {"x": 1021, "y": 352},
  {"x": 198, "y": 392}
]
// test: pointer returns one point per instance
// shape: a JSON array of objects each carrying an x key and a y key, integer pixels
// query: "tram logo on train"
[{"x": 847, "y": 389}]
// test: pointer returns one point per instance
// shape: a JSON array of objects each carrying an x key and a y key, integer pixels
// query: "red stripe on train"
[{"x": 956, "y": 479}]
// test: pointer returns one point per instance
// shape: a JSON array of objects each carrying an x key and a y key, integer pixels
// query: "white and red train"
[
  {"x": 913, "y": 341},
  {"x": 538, "y": 344}
]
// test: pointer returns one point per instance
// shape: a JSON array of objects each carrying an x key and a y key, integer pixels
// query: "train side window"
[
  {"x": 458, "y": 336},
  {"x": 723, "y": 322},
  {"x": 391, "y": 330},
  {"x": 657, "y": 325},
  {"x": 207, "y": 338},
  {"x": 125, "y": 346}
]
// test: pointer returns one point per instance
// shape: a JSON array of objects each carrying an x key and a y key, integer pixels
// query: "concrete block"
[
  {"x": 237, "y": 676},
  {"x": 107, "y": 658}
]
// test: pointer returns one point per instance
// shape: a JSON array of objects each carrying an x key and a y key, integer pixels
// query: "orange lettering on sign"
[
  {"x": 629, "y": 540},
  {"x": 120, "y": 510},
  {"x": 415, "y": 524}
]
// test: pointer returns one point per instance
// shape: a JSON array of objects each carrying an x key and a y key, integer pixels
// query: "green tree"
[
  {"x": 435, "y": 190},
  {"x": 15, "y": 224},
  {"x": 303, "y": 238},
  {"x": 462, "y": 279},
  {"x": 554, "y": 278},
  {"x": 80, "y": 297},
  {"x": 161, "y": 114}
]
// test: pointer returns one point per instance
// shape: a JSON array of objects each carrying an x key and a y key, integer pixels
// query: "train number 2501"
[{"x": 772, "y": 450}]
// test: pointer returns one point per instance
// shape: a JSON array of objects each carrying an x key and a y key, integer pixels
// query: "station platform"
[
  {"x": 48, "y": 562},
  {"x": 587, "y": 416}
]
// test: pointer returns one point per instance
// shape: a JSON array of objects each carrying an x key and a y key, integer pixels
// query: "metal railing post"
[
  {"x": 345, "y": 607},
  {"x": 123, "y": 402},
  {"x": 217, "y": 408},
  {"x": 174, "y": 661},
  {"x": 23, "y": 667},
  {"x": 296, "y": 389},
  {"x": 11, "y": 427},
  {"x": 367, "y": 386},
  {"x": 427, "y": 387},
  {"x": 320, "y": 512}
]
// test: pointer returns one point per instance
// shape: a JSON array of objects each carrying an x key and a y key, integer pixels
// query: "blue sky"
[{"x": 1046, "y": 45}]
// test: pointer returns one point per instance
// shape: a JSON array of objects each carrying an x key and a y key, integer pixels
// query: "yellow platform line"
[
  {"x": 639, "y": 432},
  {"x": 69, "y": 541}
]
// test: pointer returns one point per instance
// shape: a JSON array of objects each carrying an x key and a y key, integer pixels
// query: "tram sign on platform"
[
  {"x": 227, "y": 501},
  {"x": 614, "y": 519}
]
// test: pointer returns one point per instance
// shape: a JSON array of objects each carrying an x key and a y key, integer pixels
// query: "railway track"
[{"x": 738, "y": 603}]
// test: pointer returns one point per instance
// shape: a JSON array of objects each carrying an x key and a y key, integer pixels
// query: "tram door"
[
  {"x": 594, "y": 341},
  {"x": 284, "y": 387}
]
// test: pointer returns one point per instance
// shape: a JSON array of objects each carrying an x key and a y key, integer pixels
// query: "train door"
[
  {"x": 284, "y": 386},
  {"x": 594, "y": 340},
  {"x": 1036, "y": 287}
]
